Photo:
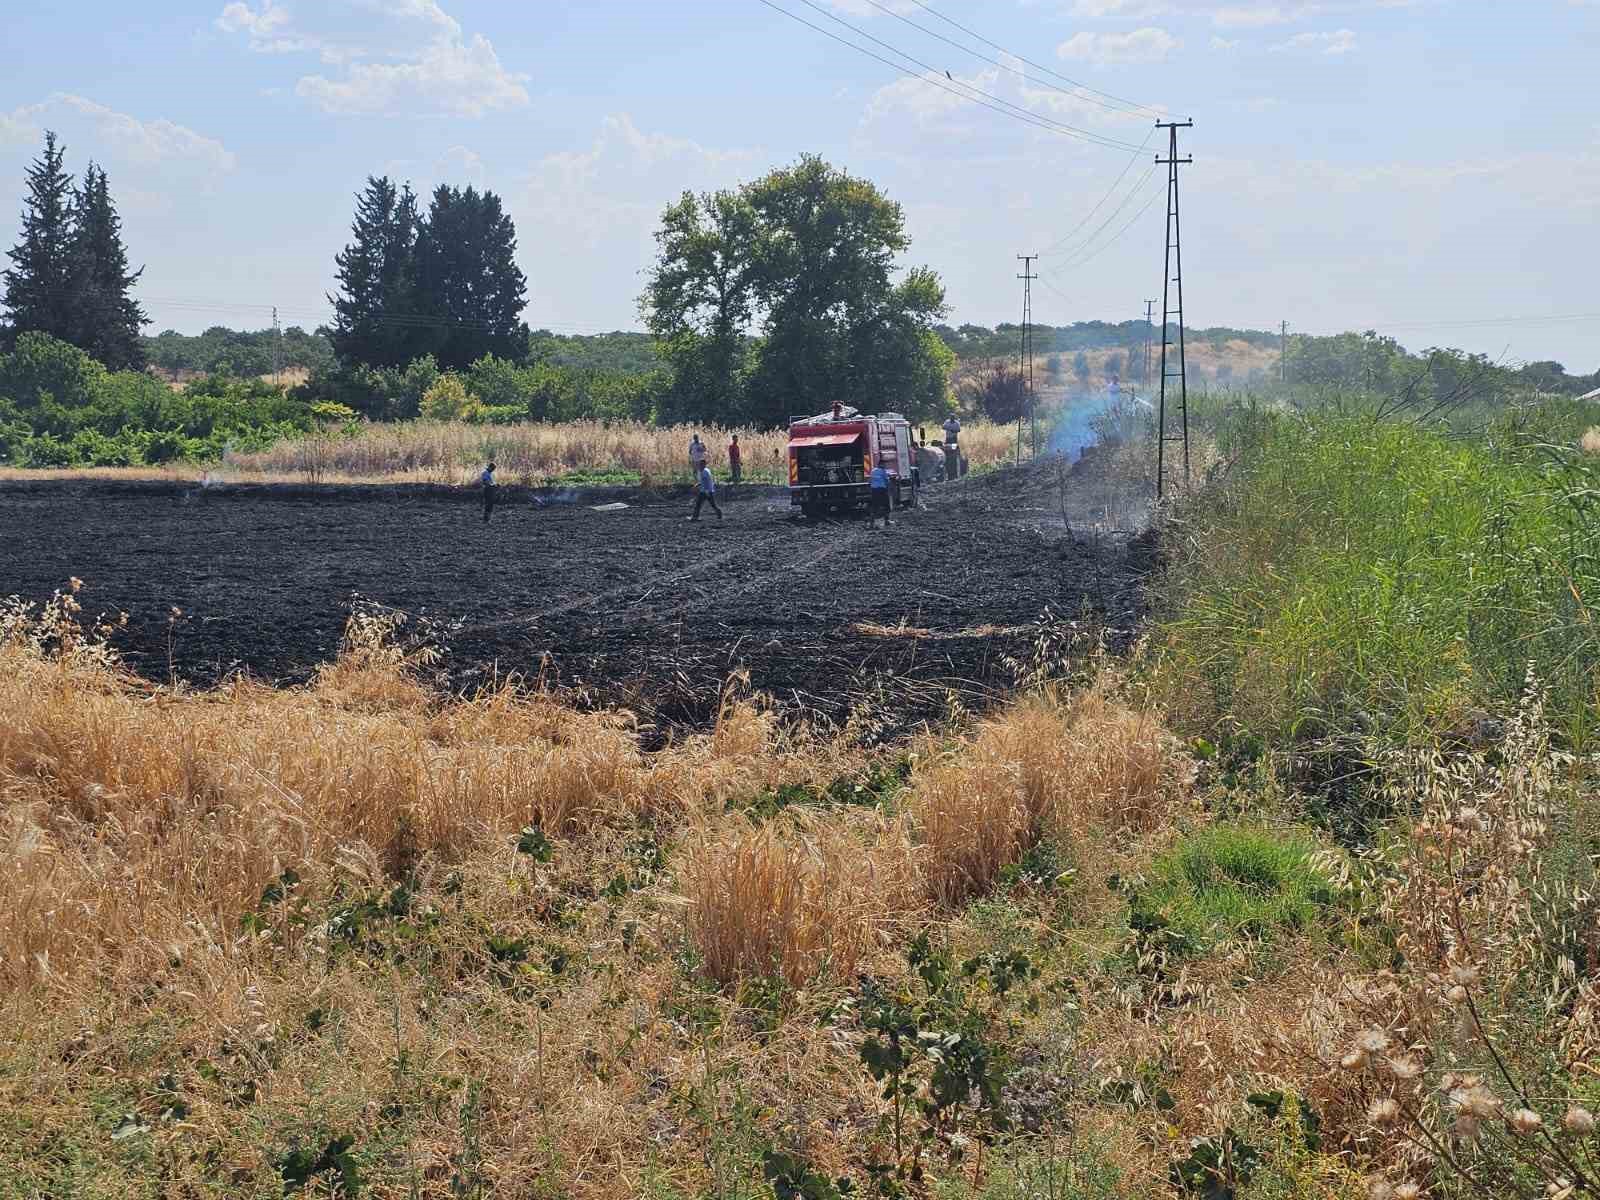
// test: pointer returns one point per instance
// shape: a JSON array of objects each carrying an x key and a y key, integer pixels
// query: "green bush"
[
  {"x": 46, "y": 450},
  {"x": 1226, "y": 882},
  {"x": 1367, "y": 577}
]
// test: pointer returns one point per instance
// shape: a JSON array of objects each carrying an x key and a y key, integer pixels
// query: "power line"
[
  {"x": 1103, "y": 139},
  {"x": 1076, "y": 251},
  {"x": 972, "y": 94},
  {"x": 1105, "y": 245},
  {"x": 1123, "y": 174},
  {"x": 1132, "y": 104},
  {"x": 1077, "y": 94}
]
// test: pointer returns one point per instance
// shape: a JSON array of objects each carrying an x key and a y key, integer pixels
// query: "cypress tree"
[
  {"x": 469, "y": 291},
  {"x": 373, "y": 310},
  {"x": 104, "y": 319},
  {"x": 38, "y": 284}
]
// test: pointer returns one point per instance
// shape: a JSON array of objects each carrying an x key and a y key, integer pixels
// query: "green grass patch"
[{"x": 1230, "y": 882}]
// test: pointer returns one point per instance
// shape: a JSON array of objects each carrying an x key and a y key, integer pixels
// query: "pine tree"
[
  {"x": 373, "y": 311},
  {"x": 104, "y": 319},
  {"x": 469, "y": 291},
  {"x": 38, "y": 285}
]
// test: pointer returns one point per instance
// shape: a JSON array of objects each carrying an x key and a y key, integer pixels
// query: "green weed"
[{"x": 1228, "y": 882}]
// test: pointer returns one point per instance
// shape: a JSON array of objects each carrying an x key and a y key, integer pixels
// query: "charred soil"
[{"x": 635, "y": 606}]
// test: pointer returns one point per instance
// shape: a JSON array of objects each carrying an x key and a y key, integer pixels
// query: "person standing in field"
[
  {"x": 735, "y": 459},
  {"x": 705, "y": 493},
  {"x": 486, "y": 481},
  {"x": 697, "y": 455},
  {"x": 878, "y": 487},
  {"x": 952, "y": 434}
]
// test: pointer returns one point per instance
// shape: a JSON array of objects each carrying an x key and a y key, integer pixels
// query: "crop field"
[{"x": 635, "y": 606}]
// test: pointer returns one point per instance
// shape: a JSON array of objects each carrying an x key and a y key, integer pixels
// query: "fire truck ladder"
[{"x": 1172, "y": 307}]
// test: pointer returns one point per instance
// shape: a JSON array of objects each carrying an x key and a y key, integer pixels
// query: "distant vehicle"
[{"x": 831, "y": 456}]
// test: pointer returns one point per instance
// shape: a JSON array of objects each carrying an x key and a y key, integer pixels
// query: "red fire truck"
[{"x": 832, "y": 455}]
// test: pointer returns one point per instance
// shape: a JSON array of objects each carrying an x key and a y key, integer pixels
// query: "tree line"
[{"x": 773, "y": 298}]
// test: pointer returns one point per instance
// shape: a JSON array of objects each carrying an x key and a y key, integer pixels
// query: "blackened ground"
[{"x": 635, "y": 606}]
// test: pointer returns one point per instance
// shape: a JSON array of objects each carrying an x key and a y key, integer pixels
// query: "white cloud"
[
  {"x": 604, "y": 201},
  {"x": 241, "y": 18},
  {"x": 1222, "y": 43},
  {"x": 930, "y": 97},
  {"x": 397, "y": 55},
  {"x": 463, "y": 79},
  {"x": 1254, "y": 16},
  {"x": 1258, "y": 14},
  {"x": 1150, "y": 44},
  {"x": 117, "y": 134},
  {"x": 1336, "y": 41},
  {"x": 1133, "y": 10}
]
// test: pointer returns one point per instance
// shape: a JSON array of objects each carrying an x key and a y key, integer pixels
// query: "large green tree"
[
  {"x": 38, "y": 284},
  {"x": 468, "y": 291},
  {"x": 105, "y": 320},
  {"x": 374, "y": 317},
  {"x": 780, "y": 297},
  {"x": 699, "y": 300}
]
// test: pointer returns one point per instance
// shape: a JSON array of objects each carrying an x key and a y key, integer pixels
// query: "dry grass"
[
  {"x": 1590, "y": 442},
  {"x": 437, "y": 452},
  {"x": 317, "y": 898},
  {"x": 1070, "y": 769},
  {"x": 307, "y": 914},
  {"x": 798, "y": 903}
]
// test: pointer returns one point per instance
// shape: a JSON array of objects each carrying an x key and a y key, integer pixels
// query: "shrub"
[
  {"x": 47, "y": 451},
  {"x": 1367, "y": 576},
  {"x": 449, "y": 400},
  {"x": 1233, "y": 881}
]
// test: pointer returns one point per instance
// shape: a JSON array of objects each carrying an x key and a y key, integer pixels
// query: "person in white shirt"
[
  {"x": 697, "y": 454},
  {"x": 486, "y": 481},
  {"x": 705, "y": 493}
]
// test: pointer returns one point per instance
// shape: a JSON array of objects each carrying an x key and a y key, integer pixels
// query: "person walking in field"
[
  {"x": 878, "y": 487},
  {"x": 705, "y": 492},
  {"x": 697, "y": 455},
  {"x": 735, "y": 459},
  {"x": 486, "y": 480}
]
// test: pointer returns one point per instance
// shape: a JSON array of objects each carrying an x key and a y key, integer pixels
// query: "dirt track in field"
[{"x": 637, "y": 606}]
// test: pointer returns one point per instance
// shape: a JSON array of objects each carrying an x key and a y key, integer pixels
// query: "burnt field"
[{"x": 635, "y": 606}]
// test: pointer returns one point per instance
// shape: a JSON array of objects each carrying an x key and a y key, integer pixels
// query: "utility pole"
[
  {"x": 1283, "y": 351},
  {"x": 1025, "y": 362},
  {"x": 1172, "y": 274},
  {"x": 277, "y": 347}
]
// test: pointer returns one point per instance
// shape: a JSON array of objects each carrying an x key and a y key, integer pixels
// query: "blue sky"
[{"x": 1428, "y": 167}]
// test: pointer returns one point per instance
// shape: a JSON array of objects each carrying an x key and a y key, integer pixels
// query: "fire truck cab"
[{"x": 831, "y": 457}]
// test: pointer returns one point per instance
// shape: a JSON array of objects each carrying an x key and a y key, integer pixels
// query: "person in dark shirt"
[{"x": 486, "y": 479}]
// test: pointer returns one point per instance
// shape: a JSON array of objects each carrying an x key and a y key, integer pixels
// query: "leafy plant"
[{"x": 932, "y": 1054}]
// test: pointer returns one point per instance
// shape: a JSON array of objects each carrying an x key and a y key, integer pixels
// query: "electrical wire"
[
  {"x": 972, "y": 33},
  {"x": 1088, "y": 239},
  {"x": 1104, "y": 139},
  {"x": 1117, "y": 236},
  {"x": 1077, "y": 92},
  {"x": 973, "y": 95},
  {"x": 1057, "y": 247}
]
